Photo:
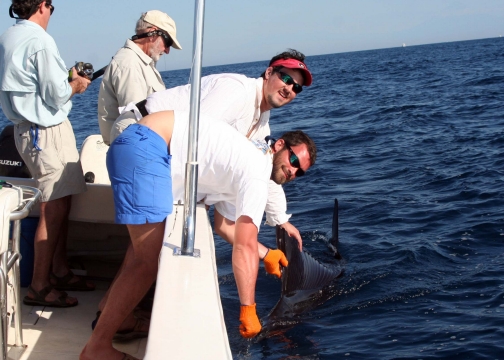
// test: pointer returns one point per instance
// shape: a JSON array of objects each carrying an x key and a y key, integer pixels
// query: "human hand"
[
  {"x": 293, "y": 232},
  {"x": 273, "y": 260},
  {"x": 79, "y": 83},
  {"x": 250, "y": 325}
]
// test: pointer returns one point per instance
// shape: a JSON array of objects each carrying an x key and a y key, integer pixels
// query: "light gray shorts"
[{"x": 53, "y": 159}]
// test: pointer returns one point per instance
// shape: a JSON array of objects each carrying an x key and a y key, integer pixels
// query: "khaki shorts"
[{"x": 56, "y": 166}]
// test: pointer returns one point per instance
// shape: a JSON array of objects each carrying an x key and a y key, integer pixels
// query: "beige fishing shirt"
[{"x": 130, "y": 77}]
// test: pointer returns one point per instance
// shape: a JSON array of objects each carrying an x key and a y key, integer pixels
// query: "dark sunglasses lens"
[
  {"x": 297, "y": 88},
  {"x": 288, "y": 80},
  {"x": 294, "y": 160},
  {"x": 167, "y": 40},
  {"x": 52, "y": 9}
]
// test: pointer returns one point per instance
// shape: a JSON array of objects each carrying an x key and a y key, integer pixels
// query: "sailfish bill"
[{"x": 306, "y": 283}]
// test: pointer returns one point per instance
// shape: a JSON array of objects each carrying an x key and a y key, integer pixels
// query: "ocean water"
[{"x": 411, "y": 143}]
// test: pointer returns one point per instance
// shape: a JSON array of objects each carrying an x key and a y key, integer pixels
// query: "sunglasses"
[
  {"x": 166, "y": 38},
  {"x": 294, "y": 161},
  {"x": 288, "y": 80}
]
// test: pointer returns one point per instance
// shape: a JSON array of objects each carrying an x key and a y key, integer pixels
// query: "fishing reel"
[{"x": 83, "y": 69}]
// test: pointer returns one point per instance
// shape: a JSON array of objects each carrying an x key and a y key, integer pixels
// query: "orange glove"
[
  {"x": 250, "y": 325},
  {"x": 272, "y": 262}
]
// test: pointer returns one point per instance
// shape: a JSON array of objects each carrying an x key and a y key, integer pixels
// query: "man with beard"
[
  {"x": 146, "y": 170},
  {"x": 132, "y": 75},
  {"x": 245, "y": 104}
]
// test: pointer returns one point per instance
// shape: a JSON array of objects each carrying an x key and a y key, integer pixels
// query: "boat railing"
[{"x": 9, "y": 260}]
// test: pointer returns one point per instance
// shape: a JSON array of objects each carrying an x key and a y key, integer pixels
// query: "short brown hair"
[
  {"x": 289, "y": 54},
  {"x": 298, "y": 137},
  {"x": 22, "y": 8}
]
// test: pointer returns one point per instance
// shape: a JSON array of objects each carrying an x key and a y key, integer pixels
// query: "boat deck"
[
  {"x": 55, "y": 333},
  {"x": 187, "y": 294}
]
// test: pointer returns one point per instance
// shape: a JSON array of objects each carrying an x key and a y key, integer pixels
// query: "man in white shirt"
[
  {"x": 131, "y": 76},
  {"x": 145, "y": 159},
  {"x": 245, "y": 104}
]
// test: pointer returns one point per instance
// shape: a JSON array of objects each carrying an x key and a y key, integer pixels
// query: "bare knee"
[
  {"x": 146, "y": 243},
  {"x": 54, "y": 210}
]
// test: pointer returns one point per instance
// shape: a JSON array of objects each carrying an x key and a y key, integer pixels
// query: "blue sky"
[{"x": 239, "y": 31}]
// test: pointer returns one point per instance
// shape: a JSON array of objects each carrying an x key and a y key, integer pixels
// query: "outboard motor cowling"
[{"x": 11, "y": 164}]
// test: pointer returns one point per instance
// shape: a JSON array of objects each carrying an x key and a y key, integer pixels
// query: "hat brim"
[{"x": 175, "y": 44}]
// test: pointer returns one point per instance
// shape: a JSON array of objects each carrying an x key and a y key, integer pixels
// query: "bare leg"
[
  {"x": 138, "y": 273},
  {"x": 52, "y": 216},
  {"x": 224, "y": 227},
  {"x": 130, "y": 320},
  {"x": 60, "y": 263},
  {"x": 103, "y": 301}
]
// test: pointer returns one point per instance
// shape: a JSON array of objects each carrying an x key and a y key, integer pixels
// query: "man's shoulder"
[
  {"x": 30, "y": 36},
  {"x": 229, "y": 77},
  {"x": 125, "y": 54},
  {"x": 230, "y": 83},
  {"x": 125, "y": 60}
]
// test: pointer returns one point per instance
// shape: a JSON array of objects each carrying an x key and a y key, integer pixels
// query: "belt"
[{"x": 141, "y": 107}]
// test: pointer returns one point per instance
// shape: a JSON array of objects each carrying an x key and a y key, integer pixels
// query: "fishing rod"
[{"x": 99, "y": 73}]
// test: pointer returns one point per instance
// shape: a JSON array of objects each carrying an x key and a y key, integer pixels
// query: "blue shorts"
[{"x": 139, "y": 169}]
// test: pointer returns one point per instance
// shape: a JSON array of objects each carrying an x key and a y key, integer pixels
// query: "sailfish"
[{"x": 306, "y": 282}]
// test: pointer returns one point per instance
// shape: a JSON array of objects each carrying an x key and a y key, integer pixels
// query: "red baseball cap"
[{"x": 295, "y": 64}]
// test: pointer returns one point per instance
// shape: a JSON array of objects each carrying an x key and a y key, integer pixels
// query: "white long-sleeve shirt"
[{"x": 232, "y": 170}]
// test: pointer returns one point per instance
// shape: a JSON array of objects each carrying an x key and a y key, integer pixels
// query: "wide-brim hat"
[{"x": 162, "y": 21}]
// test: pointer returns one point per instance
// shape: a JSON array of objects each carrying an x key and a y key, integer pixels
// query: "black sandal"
[{"x": 39, "y": 299}]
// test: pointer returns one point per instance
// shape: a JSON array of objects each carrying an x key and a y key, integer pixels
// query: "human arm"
[
  {"x": 225, "y": 228},
  {"x": 52, "y": 77},
  {"x": 276, "y": 208},
  {"x": 293, "y": 232},
  {"x": 245, "y": 267}
]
